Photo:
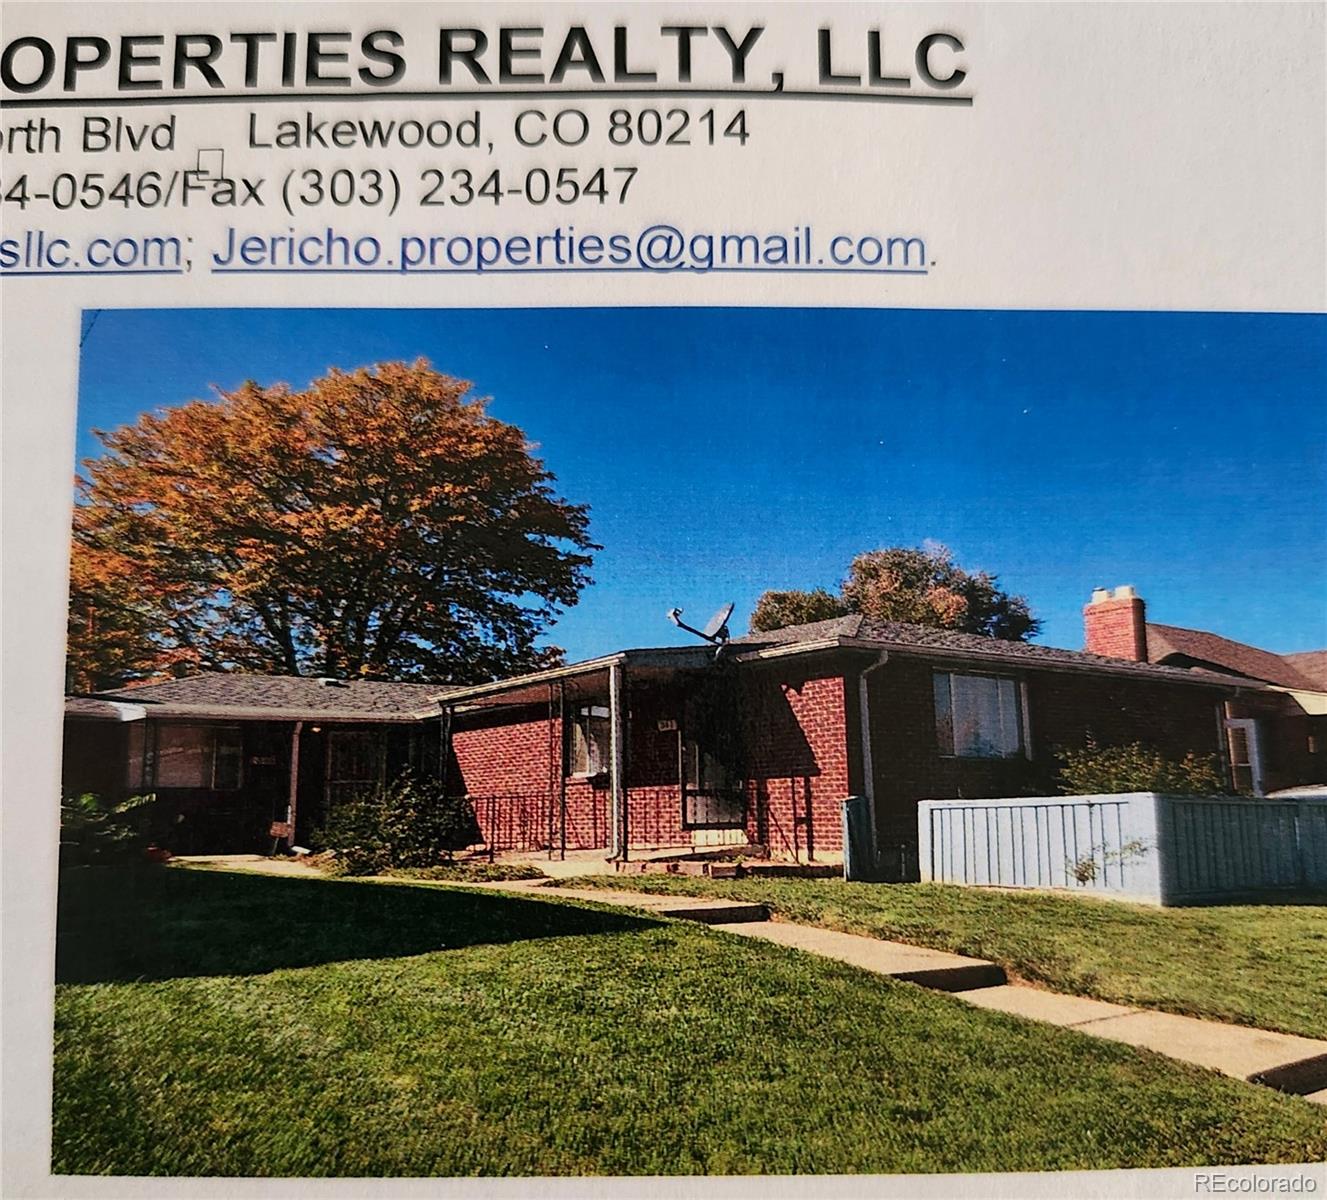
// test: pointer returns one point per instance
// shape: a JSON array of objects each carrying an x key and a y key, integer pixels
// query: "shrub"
[
  {"x": 1100, "y": 770},
  {"x": 97, "y": 830},
  {"x": 409, "y": 822}
]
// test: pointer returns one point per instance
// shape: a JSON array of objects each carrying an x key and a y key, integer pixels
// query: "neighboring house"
[
  {"x": 755, "y": 742},
  {"x": 237, "y": 760},
  {"x": 1276, "y": 734}
]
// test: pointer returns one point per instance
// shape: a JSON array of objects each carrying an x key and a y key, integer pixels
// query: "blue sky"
[{"x": 725, "y": 451}]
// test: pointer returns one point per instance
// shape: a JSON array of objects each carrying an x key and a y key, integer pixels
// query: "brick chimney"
[{"x": 1115, "y": 624}]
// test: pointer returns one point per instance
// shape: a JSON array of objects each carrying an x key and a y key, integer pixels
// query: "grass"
[
  {"x": 1257, "y": 965},
  {"x": 238, "y": 1024}
]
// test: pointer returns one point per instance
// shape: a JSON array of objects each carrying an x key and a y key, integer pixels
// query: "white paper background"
[{"x": 1122, "y": 157}]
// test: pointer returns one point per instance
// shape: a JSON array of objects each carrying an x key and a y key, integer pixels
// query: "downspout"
[
  {"x": 445, "y": 748},
  {"x": 617, "y": 758},
  {"x": 868, "y": 765},
  {"x": 1223, "y": 744}
]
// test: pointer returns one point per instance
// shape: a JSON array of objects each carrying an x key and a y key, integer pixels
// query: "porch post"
[
  {"x": 292, "y": 804},
  {"x": 617, "y": 783}
]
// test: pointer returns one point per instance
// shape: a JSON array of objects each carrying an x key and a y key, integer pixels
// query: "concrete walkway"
[
  {"x": 730, "y": 914},
  {"x": 911, "y": 964},
  {"x": 1280, "y": 1060}
]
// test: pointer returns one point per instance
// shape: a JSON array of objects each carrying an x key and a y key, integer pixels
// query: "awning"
[{"x": 1313, "y": 703}]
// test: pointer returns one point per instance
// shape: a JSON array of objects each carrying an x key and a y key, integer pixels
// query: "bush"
[
  {"x": 96, "y": 830},
  {"x": 409, "y": 822},
  {"x": 1101, "y": 770}
]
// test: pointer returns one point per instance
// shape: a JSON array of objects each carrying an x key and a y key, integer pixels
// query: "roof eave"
[{"x": 216, "y": 712}]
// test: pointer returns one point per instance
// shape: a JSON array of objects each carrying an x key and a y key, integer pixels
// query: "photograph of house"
[
  {"x": 409, "y": 827},
  {"x": 752, "y": 742}
]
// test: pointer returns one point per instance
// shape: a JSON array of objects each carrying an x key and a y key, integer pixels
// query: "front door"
[{"x": 1245, "y": 749}]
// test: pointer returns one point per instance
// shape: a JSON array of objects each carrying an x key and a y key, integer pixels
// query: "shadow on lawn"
[{"x": 150, "y": 923}]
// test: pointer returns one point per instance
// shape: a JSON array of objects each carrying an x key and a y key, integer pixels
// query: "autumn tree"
[
  {"x": 922, "y": 586},
  {"x": 378, "y": 523}
]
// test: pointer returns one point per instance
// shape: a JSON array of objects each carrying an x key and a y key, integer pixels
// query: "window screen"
[
  {"x": 589, "y": 741},
  {"x": 199, "y": 756},
  {"x": 977, "y": 716}
]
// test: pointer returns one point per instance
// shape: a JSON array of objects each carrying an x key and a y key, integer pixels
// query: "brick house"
[
  {"x": 1275, "y": 734},
  {"x": 753, "y": 743},
  {"x": 759, "y": 741}
]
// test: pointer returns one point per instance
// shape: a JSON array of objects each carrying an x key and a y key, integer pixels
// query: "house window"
[
  {"x": 978, "y": 716},
  {"x": 589, "y": 741},
  {"x": 199, "y": 756}
]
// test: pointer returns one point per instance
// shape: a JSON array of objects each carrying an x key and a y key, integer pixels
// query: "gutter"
[
  {"x": 1031, "y": 663},
  {"x": 201, "y": 712}
]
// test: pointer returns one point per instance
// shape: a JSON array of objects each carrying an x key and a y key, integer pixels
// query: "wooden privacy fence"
[{"x": 1140, "y": 845}]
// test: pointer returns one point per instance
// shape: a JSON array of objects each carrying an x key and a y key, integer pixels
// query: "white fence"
[{"x": 1140, "y": 845}]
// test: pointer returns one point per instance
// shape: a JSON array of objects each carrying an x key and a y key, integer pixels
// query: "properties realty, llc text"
[{"x": 511, "y": 116}]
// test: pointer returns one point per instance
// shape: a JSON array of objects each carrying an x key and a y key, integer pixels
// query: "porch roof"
[{"x": 656, "y": 662}]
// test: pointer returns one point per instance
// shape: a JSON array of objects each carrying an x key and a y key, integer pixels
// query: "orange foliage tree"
[{"x": 378, "y": 523}]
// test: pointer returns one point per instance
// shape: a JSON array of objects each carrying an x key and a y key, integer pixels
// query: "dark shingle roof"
[
  {"x": 277, "y": 697},
  {"x": 902, "y": 636},
  {"x": 1312, "y": 664},
  {"x": 1170, "y": 641}
]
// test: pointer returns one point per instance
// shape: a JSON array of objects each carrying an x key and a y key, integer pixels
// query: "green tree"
[
  {"x": 774, "y": 610},
  {"x": 923, "y": 586},
  {"x": 378, "y": 523}
]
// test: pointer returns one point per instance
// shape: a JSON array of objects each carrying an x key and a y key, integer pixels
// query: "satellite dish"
[{"x": 716, "y": 628}]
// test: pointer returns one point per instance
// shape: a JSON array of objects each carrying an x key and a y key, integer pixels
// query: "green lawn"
[
  {"x": 1261, "y": 965},
  {"x": 232, "y": 1024}
]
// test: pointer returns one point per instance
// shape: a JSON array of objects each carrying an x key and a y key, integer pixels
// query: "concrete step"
[
  {"x": 682, "y": 908},
  {"x": 910, "y": 964}
]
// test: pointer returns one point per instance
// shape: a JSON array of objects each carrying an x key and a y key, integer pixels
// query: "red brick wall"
[
  {"x": 1116, "y": 628},
  {"x": 796, "y": 750},
  {"x": 1065, "y": 709},
  {"x": 509, "y": 751},
  {"x": 515, "y": 756}
]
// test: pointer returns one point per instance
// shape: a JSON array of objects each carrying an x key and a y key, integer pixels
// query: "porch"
[{"x": 643, "y": 755}]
